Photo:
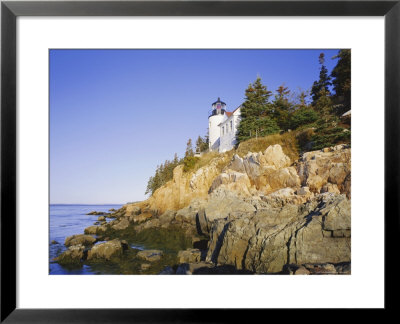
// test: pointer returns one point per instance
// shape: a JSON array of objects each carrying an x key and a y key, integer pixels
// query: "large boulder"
[
  {"x": 166, "y": 219},
  {"x": 74, "y": 255},
  {"x": 274, "y": 155},
  {"x": 224, "y": 202},
  {"x": 188, "y": 214},
  {"x": 189, "y": 256},
  {"x": 234, "y": 181},
  {"x": 140, "y": 218},
  {"x": 318, "y": 169},
  {"x": 107, "y": 250},
  {"x": 267, "y": 171},
  {"x": 95, "y": 229},
  {"x": 122, "y": 224},
  {"x": 132, "y": 210},
  {"x": 236, "y": 164},
  {"x": 80, "y": 239}
]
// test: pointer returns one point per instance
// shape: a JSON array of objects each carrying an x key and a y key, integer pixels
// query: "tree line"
[
  {"x": 330, "y": 96},
  {"x": 164, "y": 171}
]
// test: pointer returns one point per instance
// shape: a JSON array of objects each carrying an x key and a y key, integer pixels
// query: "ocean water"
[{"x": 66, "y": 220}]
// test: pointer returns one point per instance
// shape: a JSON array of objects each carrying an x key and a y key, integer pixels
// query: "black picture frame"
[{"x": 10, "y": 10}]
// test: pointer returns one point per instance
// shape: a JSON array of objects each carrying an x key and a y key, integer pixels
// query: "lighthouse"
[{"x": 216, "y": 117}]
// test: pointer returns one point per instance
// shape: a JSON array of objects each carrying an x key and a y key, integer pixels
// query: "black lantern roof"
[{"x": 219, "y": 101}]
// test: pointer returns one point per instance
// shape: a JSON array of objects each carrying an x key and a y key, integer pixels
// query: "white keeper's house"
[{"x": 222, "y": 127}]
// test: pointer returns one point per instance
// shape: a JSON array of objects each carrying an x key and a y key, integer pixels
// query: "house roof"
[
  {"x": 236, "y": 109},
  {"x": 228, "y": 114}
]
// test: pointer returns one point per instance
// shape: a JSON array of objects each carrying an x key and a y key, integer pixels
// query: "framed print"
[{"x": 191, "y": 155}]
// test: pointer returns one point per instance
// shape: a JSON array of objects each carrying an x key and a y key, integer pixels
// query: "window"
[
  {"x": 231, "y": 125},
  {"x": 222, "y": 130}
]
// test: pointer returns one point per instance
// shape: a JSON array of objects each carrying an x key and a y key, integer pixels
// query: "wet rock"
[
  {"x": 122, "y": 224},
  {"x": 101, "y": 218},
  {"x": 107, "y": 250},
  {"x": 96, "y": 213},
  {"x": 140, "y": 218},
  {"x": 189, "y": 256},
  {"x": 95, "y": 229},
  {"x": 80, "y": 239},
  {"x": 74, "y": 255},
  {"x": 150, "y": 255},
  {"x": 145, "y": 266},
  {"x": 54, "y": 242}
]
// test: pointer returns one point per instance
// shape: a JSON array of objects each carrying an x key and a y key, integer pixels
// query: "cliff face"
[
  {"x": 184, "y": 187},
  {"x": 260, "y": 213}
]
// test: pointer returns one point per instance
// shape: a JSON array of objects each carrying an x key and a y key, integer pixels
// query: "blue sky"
[{"x": 116, "y": 114}]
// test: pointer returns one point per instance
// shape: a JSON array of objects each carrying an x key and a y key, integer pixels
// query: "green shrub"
[
  {"x": 331, "y": 137},
  {"x": 189, "y": 163},
  {"x": 303, "y": 116}
]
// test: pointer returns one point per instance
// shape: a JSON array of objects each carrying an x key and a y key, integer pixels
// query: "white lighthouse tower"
[{"x": 216, "y": 116}]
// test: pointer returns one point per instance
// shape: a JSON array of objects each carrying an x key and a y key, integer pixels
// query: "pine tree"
[
  {"x": 282, "y": 107},
  {"x": 301, "y": 98},
  {"x": 176, "y": 159},
  {"x": 341, "y": 80},
  {"x": 201, "y": 144},
  {"x": 256, "y": 113},
  {"x": 323, "y": 83},
  {"x": 324, "y": 104},
  {"x": 189, "y": 148}
]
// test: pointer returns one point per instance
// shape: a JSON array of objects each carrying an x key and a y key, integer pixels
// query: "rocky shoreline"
[{"x": 259, "y": 214}]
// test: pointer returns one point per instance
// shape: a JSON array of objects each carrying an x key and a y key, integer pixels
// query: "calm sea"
[{"x": 66, "y": 220}]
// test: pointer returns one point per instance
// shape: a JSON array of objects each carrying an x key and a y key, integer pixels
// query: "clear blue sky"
[{"x": 116, "y": 114}]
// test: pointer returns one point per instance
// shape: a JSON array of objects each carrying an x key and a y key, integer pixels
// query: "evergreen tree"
[
  {"x": 282, "y": 107},
  {"x": 189, "y": 148},
  {"x": 176, "y": 159},
  {"x": 341, "y": 80},
  {"x": 323, "y": 83},
  {"x": 256, "y": 113},
  {"x": 301, "y": 100},
  {"x": 201, "y": 144},
  {"x": 324, "y": 104}
]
